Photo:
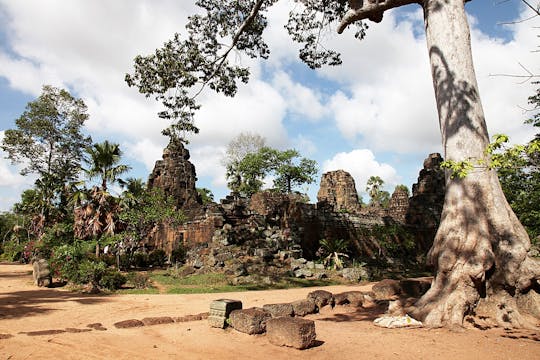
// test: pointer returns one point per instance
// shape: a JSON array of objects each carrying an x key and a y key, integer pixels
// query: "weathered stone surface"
[
  {"x": 293, "y": 332},
  {"x": 386, "y": 289},
  {"x": 279, "y": 310},
  {"x": 97, "y": 326},
  {"x": 426, "y": 203},
  {"x": 220, "y": 311},
  {"x": 414, "y": 287},
  {"x": 398, "y": 205},
  {"x": 126, "y": 324},
  {"x": 321, "y": 298},
  {"x": 339, "y": 191},
  {"x": 250, "y": 321},
  {"x": 355, "y": 274},
  {"x": 353, "y": 298},
  {"x": 304, "y": 307},
  {"x": 176, "y": 176},
  {"x": 41, "y": 273},
  {"x": 157, "y": 320}
]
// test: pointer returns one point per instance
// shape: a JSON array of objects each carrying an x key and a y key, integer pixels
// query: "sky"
[{"x": 373, "y": 116}]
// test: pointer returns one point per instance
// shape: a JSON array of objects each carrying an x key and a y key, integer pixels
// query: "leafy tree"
[
  {"x": 206, "y": 195},
  {"x": 287, "y": 172},
  {"x": 104, "y": 164},
  {"x": 49, "y": 142},
  {"x": 152, "y": 208},
  {"x": 378, "y": 197},
  {"x": 237, "y": 150},
  {"x": 290, "y": 174},
  {"x": 480, "y": 250}
]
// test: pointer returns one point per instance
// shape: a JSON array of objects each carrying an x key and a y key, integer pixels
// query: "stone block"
[
  {"x": 250, "y": 321},
  {"x": 279, "y": 310},
  {"x": 414, "y": 287},
  {"x": 321, "y": 298},
  {"x": 157, "y": 320},
  {"x": 304, "y": 307},
  {"x": 386, "y": 289},
  {"x": 293, "y": 332},
  {"x": 353, "y": 298},
  {"x": 126, "y": 324},
  {"x": 220, "y": 311}
]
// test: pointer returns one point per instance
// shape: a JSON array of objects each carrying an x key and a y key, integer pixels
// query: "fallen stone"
[
  {"x": 292, "y": 332},
  {"x": 157, "y": 320},
  {"x": 41, "y": 273},
  {"x": 126, "y": 324},
  {"x": 44, "y": 332},
  {"x": 75, "y": 331},
  {"x": 304, "y": 307},
  {"x": 414, "y": 287},
  {"x": 386, "y": 289},
  {"x": 97, "y": 326},
  {"x": 250, "y": 321},
  {"x": 321, "y": 298},
  {"x": 278, "y": 310},
  {"x": 353, "y": 298},
  {"x": 303, "y": 273},
  {"x": 220, "y": 311}
]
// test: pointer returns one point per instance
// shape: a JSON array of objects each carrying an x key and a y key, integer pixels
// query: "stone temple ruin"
[{"x": 251, "y": 236}]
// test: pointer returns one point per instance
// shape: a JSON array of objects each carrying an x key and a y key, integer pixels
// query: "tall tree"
[
  {"x": 104, "y": 163},
  {"x": 480, "y": 251},
  {"x": 290, "y": 173},
  {"x": 378, "y": 197},
  {"x": 49, "y": 142},
  {"x": 237, "y": 149}
]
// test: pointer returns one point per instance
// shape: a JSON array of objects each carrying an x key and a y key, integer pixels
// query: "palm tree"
[
  {"x": 104, "y": 163},
  {"x": 96, "y": 215}
]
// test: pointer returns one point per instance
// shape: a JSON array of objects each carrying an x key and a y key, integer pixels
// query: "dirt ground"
[{"x": 52, "y": 323}]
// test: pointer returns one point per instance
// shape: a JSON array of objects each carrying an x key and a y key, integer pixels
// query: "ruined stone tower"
[
  {"x": 176, "y": 176},
  {"x": 339, "y": 191}
]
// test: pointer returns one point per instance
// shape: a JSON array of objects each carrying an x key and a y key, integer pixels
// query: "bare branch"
[{"x": 527, "y": 76}]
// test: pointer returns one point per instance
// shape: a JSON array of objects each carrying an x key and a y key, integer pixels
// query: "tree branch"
[{"x": 370, "y": 9}]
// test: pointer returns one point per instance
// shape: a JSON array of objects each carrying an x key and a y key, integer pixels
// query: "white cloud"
[{"x": 361, "y": 164}]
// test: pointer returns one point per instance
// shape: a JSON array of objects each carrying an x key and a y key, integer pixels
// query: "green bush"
[
  {"x": 140, "y": 260},
  {"x": 157, "y": 258},
  {"x": 178, "y": 255},
  {"x": 139, "y": 280},
  {"x": 12, "y": 251},
  {"x": 112, "y": 279}
]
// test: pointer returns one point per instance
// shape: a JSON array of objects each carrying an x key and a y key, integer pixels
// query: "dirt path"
[{"x": 40, "y": 323}]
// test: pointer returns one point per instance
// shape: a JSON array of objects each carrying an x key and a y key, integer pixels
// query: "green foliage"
[
  {"x": 247, "y": 176},
  {"x": 49, "y": 142},
  {"x": 139, "y": 280},
  {"x": 12, "y": 250},
  {"x": 179, "y": 71},
  {"x": 206, "y": 195},
  {"x": 334, "y": 250},
  {"x": 104, "y": 162},
  {"x": 378, "y": 196},
  {"x": 178, "y": 255},
  {"x": 459, "y": 169},
  {"x": 157, "y": 258},
  {"x": 150, "y": 208}
]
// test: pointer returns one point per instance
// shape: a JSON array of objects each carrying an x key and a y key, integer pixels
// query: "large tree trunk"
[{"x": 480, "y": 250}]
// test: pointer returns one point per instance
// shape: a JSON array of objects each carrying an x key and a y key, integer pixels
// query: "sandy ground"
[{"x": 27, "y": 313}]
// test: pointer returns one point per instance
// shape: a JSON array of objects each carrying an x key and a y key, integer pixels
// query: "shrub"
[
  {"x": 178, "y": 255},
  {"x": 140, "y": 260},
  {"x": 12, "y": 251},
  {"x": 139, "y": 280},
  {"x": 112, "y": 279},
  {"x": 157, "y": 258}
]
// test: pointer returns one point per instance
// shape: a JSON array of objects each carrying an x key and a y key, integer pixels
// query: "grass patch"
[
  {"x": 147, "y": 291},
  {"x": 171, "y": 283}
]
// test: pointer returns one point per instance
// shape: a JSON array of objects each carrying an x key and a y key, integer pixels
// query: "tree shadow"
[
  {"x": 39, "y": 302},
  {"x": 360, "y": 314}
]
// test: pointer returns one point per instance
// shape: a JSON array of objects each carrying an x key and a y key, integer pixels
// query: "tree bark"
[{"x": 480, "y": 250}]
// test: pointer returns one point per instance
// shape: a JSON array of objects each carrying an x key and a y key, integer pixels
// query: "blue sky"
[{"x": 374, "y": 115}]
